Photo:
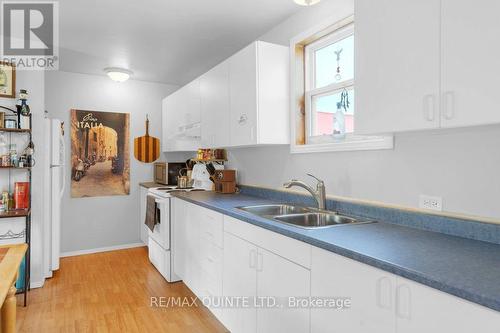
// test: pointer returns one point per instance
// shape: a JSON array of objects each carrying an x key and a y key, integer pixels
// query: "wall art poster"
[{"x": 100, "y": 153}]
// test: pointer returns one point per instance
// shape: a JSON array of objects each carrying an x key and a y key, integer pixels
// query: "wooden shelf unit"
[
  {"x": 15, "y": 213},
  {"x": 209, "y": 160},
  {"x": 13, "y": 167},
  {"x": 22, "y": 213},
  {"x": 15, "y": 130}
]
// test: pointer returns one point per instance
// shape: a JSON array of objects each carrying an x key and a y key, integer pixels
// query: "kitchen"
[{"x": 260, "y": 166}]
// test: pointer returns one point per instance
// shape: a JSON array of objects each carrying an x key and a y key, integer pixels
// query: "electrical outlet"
[{"x": 432, "y": 203}]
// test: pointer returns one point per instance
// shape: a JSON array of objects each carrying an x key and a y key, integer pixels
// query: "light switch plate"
[{"x": 430, "y": 202}]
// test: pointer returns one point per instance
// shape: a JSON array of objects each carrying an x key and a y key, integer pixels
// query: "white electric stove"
[{"x": 160, "y": 239}]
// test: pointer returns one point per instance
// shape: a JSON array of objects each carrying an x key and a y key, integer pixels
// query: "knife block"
[{"x": 225, "y": 181}]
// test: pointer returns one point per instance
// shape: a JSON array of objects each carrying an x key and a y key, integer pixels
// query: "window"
[
  {"x": 329, "y": 93},
  {"x": 323, "y": 92}
]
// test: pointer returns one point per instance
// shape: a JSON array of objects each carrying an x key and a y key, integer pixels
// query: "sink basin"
[
  {"x": 274, "y": 210},
  {"x": 303, "y": 217},
  {"x": 316, "y": 220}
]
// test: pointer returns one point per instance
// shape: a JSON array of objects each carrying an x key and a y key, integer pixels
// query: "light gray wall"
[
  {"x": 89, "y": 223},
  {"x": 462, "y": 165}
]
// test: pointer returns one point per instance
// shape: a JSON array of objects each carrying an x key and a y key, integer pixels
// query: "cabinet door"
[
  {"x": 280, "y": 278},
  {"x": 143, "y": 229},
  {"x": 470, "y": 70},
  {"x": 423, "y": 309},
  {"x": 173, "y": 110},
  {"x": 370, "y": 292},
  {"x": 397, "y": 61},
  {"x": 273, "y": 120},
  {"x": 192, "y": 250},
  {"x": 166, "y": 104},
  {"x": 214, "y": 90},
  {"x": 243, "y": 96},
  {"x": 192, "y": 101},
  {"x": 239, "y": 279},
  {"x": 211, "y": 256}
]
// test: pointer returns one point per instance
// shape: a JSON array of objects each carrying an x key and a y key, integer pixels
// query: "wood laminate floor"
[{"x": 110, "y": 292}]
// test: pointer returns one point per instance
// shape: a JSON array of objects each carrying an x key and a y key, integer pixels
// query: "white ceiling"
[{"x": 161, "y": 40}]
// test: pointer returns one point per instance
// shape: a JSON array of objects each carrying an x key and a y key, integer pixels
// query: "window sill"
[{"x": 350, "y": 144}]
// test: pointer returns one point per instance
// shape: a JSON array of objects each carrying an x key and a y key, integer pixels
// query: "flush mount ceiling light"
[
  {"x": 306, "y": 2},
  {"x": 118, "y": 74}
]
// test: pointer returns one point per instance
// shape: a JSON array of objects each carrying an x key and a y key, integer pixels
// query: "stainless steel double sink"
[{"x": 302, "y": 217}]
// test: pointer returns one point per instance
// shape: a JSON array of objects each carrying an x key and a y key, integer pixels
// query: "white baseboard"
[
  {"x": 101, "y": 249},
  {"x": 36, "y": 284}
]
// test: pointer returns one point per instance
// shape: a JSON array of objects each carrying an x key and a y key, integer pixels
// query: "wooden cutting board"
[{"x": 147, "y": 148}]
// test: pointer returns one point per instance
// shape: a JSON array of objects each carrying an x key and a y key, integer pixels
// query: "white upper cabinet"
[
  {"x": 192, "y": 113},
  {"x": 243, "y": 96},
  {"x": 181, "y": 116},
  {"x": 214, "y": 91},
  {"x": 426, "y": 64},
  {"x": 170, "y": 121},
  {"x": 396, "y": 65},
  {"x": 258, "y": 94},
  {"x": 241, "y": 102},
  {"x": 471, "y": 66}
]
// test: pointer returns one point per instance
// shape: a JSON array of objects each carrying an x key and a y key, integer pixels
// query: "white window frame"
[
  {"x": 310, "y": 78},
  {"x": 312, "y": 40}
]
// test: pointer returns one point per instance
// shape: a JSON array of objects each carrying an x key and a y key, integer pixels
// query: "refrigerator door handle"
[{"x": 63, "y": 157}]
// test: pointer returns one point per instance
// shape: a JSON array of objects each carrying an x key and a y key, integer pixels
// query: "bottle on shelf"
[
  {"x": 339, "y": 123},
  {"x": 14, "y": 161},
  {"x": 5, "y": 200}
]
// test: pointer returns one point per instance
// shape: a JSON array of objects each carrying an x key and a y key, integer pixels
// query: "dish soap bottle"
[{"x": 339, "y": 123}]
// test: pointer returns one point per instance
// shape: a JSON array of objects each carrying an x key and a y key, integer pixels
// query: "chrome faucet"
[{"x": 318, "y": 194}]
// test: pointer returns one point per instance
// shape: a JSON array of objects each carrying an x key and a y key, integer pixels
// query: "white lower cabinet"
[
  {"x": 282, "y": 279},
  {"x": 370, "y": 292},
  {"x": 239, "y": 280},
  {"x": 424, "y": 309},
  {"x": 192, "y": 250},
  {"x": 383, "y": 302},
  {"x": 197, "y": 243},
  {"x": 264, "y": 278},
  {"x": 218, "y": 255}
]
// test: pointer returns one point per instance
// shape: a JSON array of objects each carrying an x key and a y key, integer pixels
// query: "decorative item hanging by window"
[
  {"x": 338, "y": 76},
  {"x": 344, "y": 100}
]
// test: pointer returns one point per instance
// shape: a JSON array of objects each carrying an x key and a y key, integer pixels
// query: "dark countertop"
[
  {"x": 150, "y": 184},
  {"x": 466, "y": 268}
]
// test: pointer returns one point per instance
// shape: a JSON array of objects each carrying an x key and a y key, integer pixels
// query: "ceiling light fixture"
[
  {"x": 118, "y": 74},
  {"x": 306, "y": 2}
]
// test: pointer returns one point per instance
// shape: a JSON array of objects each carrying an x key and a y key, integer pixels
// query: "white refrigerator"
[{"x": 55, "y": 181}]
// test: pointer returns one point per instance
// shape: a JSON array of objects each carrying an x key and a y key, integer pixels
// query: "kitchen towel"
[{"x": 152, "y": 217}]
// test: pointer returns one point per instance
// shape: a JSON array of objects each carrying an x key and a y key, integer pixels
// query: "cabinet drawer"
[
  {"x": 211, "y": 226},
  {"x": 211, "y": 259},
  {"x": 211, "y": 285}
]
